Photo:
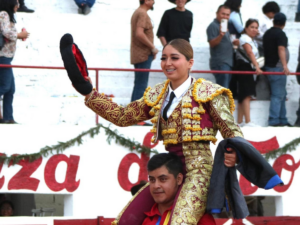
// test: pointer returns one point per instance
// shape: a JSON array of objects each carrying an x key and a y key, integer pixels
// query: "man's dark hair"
[
  {"x": 222, "y": 6},
  {"x": 171, "y": 161},
  {"x": 8, "y": 6},
  {"x": 7, "y": 202},
  {"x": 271, "y": 7},
  {"x": 234, "y": 5},
  {"x": 142, "y": 2}
]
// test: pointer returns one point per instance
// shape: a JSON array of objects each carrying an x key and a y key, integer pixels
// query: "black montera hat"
[{"x": 173, "y": 1}]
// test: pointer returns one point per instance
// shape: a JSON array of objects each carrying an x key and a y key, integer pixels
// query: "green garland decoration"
[
  {"x": 132, "y": 145},
  {"x": 289, "y": 147}
]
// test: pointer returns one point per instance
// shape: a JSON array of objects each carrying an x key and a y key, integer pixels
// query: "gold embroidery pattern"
[
  {"x": 223, "y": 118},
  {"x": 171, "y": 129},
  {"x": 205, "y": 91},
  {"x": 201, "y": 109},
  {"x": 133, "y": 113},
  {"x": 191, "y": 203},
  {"x": 153, "y": 96}
]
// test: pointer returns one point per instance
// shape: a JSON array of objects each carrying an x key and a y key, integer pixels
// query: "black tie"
[{"x": 168, "y": 106}]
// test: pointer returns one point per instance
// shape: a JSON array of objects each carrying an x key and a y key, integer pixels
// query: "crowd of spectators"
[
  {"x": 239, "y": 48},
  {"x": 260, "y": 46}
]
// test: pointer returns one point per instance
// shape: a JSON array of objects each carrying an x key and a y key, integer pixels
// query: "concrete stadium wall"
[{"x": 44, "y": 96}]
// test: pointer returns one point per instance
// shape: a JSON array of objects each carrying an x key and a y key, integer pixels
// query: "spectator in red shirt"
[{"x": 165, "y": 173}]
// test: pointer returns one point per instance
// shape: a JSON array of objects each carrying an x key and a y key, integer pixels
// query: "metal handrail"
[
  {"x": 146, "y": 70},
  {"x": 96, "y": 69}
]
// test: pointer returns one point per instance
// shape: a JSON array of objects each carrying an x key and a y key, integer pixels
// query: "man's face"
[
  {"x": 180, "y": 3},
  {"x": 223, "y": 14},
  {"x": 163, "y": 185},
  {"x": 150, "y": 3}
]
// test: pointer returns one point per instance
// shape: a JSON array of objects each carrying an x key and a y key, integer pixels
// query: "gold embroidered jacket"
[{"x": 204, "y": 109}]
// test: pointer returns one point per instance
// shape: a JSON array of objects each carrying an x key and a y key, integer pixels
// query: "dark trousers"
[
  {"x": 141, "y": 79},
  {"x": 21, "y": 2},
  {"x": 7, "y": 88}
]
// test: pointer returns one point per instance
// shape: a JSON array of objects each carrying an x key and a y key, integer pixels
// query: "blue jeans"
[
  {"x": 7, "y": 88},
  {"x": 90, "y": 3},
  {"x": 277, "y": 114},
  {"x": 141, "y": 79},
  {"x": 222, "y": 79}
]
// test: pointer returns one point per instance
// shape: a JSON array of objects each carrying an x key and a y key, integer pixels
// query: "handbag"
[
  {"x": 260, "y": 60},
  {"x": 1, "y": 41}
]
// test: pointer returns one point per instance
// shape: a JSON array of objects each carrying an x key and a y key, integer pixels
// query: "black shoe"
[
  {"x": 297, "y": 124},
  {"x": 276, "y": 125},
  {"x": 86, "y": 9},
  {"x": 8, "y": 121},
  {"x": 281, "y": 125},
  {"x": 25, "y": 9}
]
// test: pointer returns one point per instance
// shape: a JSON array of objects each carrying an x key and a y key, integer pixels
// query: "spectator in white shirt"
[{"x": 266, "y": 20}]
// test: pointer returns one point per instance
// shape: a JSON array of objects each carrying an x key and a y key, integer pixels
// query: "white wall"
[{"x": 104, "y": 38}]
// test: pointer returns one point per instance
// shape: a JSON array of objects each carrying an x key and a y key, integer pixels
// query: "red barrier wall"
[{"x": 286, "y": 220}]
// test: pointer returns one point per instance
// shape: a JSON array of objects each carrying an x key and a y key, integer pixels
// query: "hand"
[
  {"x": 230, "y": 158},
  {"x": 236, "y": 42},
  {"x": 23, "y": 35},
  {"x": 286, "y": 70},
  {"x": 258, "y": 71},
  {"x": 154, "y": 52},
  {"x": 221, "y": 33}
]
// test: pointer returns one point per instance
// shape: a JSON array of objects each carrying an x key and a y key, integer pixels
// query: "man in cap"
[
  {"x": 275, "y": 43},
  {"x": 142, "y": 49},
  {"x": 176, "y": 23}
]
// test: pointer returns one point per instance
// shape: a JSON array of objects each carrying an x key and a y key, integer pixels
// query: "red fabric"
[
  {"x": 80, "y": 61},
  {"x": 153, "y": 215},
  {"x": 207, "y": 219},
  {"x": 206, "y": 121}
]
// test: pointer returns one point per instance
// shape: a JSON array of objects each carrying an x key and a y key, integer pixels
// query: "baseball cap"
[{"x": 279, "y": 18}]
